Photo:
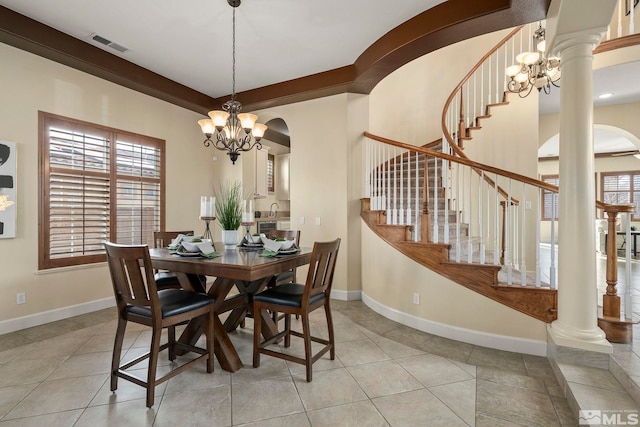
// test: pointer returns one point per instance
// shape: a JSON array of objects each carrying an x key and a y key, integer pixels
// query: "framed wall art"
[{"x": 8, "y": 191}]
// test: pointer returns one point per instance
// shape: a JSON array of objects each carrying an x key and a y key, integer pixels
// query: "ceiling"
[{"x": 189, "y": 41}]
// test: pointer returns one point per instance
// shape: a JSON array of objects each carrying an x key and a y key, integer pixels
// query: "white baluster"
[
  {"x": 408, "y": 212},
  {"x": 418, "y": 207},
  {"x": 538, "y": 221},
  {"x": 395, "y": 187},
  {"x": 507, "y": 237},
  {"x": 436, "y": 207},
  {"x": 401, "y": 208},
  {"x": 628, "y": 302},
  {"x": 470, "y": 222},
  {"x": 458, "y": 208},
  {"x": 496, "y": 219},
  {"x": 523, "y": 264},
  {"x": 480, "y": 218},
  {"x": 388, "y": 186},
  {"x": 445, "y": 183},
  {"x": 552, "y": 267}
]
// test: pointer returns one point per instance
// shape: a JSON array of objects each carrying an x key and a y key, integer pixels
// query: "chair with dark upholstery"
[
  {"x": 294, "y": 298},
  {"x": 139, "y": 301},
  {"x": 168, "y": 279},
  {"x": 290, "y": 275}
]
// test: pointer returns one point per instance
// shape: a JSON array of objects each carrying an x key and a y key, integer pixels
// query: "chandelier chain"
[{"x": 233, "y": 56}]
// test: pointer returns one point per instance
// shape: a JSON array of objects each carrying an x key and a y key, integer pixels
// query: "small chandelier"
[
  {"x": 234, "y": 131},
  {"x": 534, "y": 69}
]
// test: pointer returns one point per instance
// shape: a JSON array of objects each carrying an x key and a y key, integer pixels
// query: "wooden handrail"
[{"x": 466, "y": 162}]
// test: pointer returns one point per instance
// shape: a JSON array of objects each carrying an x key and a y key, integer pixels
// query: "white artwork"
[{"x": 8, "y": 191}]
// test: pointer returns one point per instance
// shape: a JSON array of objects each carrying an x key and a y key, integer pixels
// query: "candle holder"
[
  {"x": 247, "y": 235},
  {"x": 207, "y": 230}
]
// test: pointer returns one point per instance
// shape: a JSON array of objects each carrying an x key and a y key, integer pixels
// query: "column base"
[{"x": 594, "y": 340}]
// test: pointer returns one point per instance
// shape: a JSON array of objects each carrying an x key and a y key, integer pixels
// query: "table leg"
[{"x": 224, "y": 349}]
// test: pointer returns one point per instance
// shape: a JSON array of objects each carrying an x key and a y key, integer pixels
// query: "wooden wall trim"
[{"x": 447, "y": 23}]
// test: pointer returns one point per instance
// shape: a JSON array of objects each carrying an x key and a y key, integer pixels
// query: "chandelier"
[
  {"x": 534, "y": 69},
  {"x": 234, "y": 131}
]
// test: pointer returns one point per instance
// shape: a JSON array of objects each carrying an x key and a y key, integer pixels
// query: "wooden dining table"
[{"x": 247, "y": 271}]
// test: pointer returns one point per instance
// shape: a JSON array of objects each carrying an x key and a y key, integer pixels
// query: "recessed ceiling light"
[{"x": 605, "y": 95}]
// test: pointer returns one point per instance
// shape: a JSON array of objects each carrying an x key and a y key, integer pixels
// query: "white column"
[{"x": 577, "y": 323}]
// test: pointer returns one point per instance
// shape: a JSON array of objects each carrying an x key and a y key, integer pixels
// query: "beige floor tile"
[
  {"x": 123, "y": 414},
  {"x": 104, "y": 342},
  {"x": 328, "y": 388},
  {"x": 483, "y": 420},
  {"x": 294, "y": 420},
  {"x": 448, "y": 348},
  {"x": 594, "y": 397},
  {"x": 80, "y": 365},
  {"x": 407, "y": 336},
  {"x": 433, "y": 370},
  {"x": 498, "y": 359},
  {"x": 590, "y": 376},
  {"x": 21, "y": 371},
  {"x": 383, "y": 378},
  {"x": 11, "y": 342},
  {"x": 11, "y": 396},
  {"x": 49, "y": 330},
  {"x": 511, "y": 379},
  {"x": 207, "y": 407},
  {"x": 10, "y": 354},
  {"x": 265, "y": 399},
  {"x": 564, "y": 412},
  {"x": 359, "y": 352},
  {"x": 515, "y": 404},
  {"x": 394, "y": 349},
  {"x": 59, "y": 419},
  {"x": 460, "y": 397},
  {"x": 57, "y": 396},
  {"x": 64, "y": 345},
  {"x": 270, "y": 367},
  {"x": 416, "y": 408},
  {"x": 351, "y": 414}
]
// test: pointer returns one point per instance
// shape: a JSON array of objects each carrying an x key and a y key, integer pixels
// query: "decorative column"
[{"x": 577, "y": 323}]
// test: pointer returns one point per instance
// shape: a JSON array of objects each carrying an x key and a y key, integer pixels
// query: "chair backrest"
[
  {"x": 321, "y": 269},
  {"x": 132, "y": 275},
  {"x": 162, "y": 239},
  {"x": 285, "y": 234}
]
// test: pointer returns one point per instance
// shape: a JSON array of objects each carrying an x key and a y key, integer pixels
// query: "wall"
[{"x": 29, "y": 83}]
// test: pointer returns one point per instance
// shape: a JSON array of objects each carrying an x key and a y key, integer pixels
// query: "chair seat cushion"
[
  {"x": 289, "y": 295},
  {"x": 169, "y": 279},
  {"x": 174, "y": 302},
  {"x": 285, "y": 276}
]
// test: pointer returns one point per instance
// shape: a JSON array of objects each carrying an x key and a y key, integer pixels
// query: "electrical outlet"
[
  {"x": 527, "y": 204},
  {"x": 416, "y": 299},
  {"x": 317, "y": 220},
  {"x": 301, "y": 220},
  {"x": 21, "y": 298}
]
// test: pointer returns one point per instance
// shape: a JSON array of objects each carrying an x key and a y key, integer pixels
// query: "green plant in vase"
[{"x": 229, "y": 212}]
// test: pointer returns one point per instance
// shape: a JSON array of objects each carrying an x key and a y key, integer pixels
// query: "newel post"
[{"x": 618, "y": 329}]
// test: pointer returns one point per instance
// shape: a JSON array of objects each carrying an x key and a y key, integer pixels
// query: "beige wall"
[{"x": 29, "y": 83}]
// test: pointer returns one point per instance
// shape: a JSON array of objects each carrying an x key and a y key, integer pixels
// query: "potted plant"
[{"x": 229, "y": 212}]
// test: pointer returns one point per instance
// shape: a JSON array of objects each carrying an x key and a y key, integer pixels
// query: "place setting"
[
  {"x": 273, "y": 248},
  {"x": 192, "y": 246}
]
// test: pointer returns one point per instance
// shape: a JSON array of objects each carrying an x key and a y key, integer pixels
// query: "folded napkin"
[
  {"x": 268, "y": 253},
  {"x": 205, "y": 248},
  {"x": 175, "y": 243}
]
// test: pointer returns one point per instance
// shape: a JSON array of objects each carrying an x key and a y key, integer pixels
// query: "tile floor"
[{"x": 384, "y": 374}]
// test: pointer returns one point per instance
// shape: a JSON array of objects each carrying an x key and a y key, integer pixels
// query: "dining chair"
[
  {"x": 295, "y": 298},
  {"x": 168, "y": 279},
  {"x": 288, "y": 276},
  {"x": 139, "y": 301}
]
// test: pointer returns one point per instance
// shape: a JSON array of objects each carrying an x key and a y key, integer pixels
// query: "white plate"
[
  {"x": 288, "y": 251},
  {"x": 193, "y": 254}
]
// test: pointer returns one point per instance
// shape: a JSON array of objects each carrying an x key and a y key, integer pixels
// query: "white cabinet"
[
  {"x": 282, "y": 177},
  {"x": 261, "y": 158}
]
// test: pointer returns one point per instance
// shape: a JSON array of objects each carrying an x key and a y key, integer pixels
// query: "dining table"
[{"x": 247, "y": 271}]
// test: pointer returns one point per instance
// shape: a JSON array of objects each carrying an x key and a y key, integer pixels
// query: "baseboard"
[
  {"x": 484, "y": 339},
  {"x": 38, "y": 319},
  {"x": 346, "y": 295}
]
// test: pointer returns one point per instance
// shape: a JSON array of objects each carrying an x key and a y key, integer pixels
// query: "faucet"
[{"x": 272, "y": 213}]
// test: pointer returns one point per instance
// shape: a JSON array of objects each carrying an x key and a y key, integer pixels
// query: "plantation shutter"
[
  {"x": 549, "y": 199},
  {"x": 97, "y": 184}
]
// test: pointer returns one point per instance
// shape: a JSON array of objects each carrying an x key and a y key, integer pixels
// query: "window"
[
  {"x": 621, "y": 188},
  {"x": 550, "y": 199},
  {"x": 270, "y": 173},
  {"x": 96, "y": 184}
]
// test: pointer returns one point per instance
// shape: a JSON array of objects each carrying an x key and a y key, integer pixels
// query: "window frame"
[
  {"x": 112, "y": 177},
  {"x": 271, "y": 173},
  {"x": 635, "y": 216}
]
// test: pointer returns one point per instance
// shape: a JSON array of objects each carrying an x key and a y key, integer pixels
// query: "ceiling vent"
[{"x": 108, "y": 43}]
